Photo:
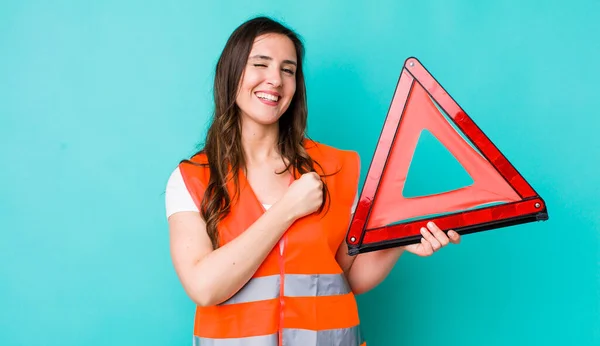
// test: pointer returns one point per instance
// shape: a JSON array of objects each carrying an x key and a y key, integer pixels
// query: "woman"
[{"x": 258, "y": 217}]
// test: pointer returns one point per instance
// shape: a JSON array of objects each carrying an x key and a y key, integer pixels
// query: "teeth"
[{"x": 267, "y": 96}]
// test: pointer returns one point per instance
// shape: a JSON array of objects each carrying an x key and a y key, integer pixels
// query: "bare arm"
[
  {"x": 209, "y": 276},
  {"x": 366, "y": 271}
]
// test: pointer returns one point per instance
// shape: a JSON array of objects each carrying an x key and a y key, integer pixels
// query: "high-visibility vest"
[{"x": 299, "y": 295}]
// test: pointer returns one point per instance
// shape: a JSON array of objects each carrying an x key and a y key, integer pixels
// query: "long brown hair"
[{"x": 223, "y": 146}]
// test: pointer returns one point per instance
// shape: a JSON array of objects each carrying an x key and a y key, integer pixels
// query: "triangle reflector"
[{"x": 498, "y": 196}]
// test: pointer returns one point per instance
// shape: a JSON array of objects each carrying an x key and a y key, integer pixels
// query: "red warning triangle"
[{"x": 498, "y": 197}]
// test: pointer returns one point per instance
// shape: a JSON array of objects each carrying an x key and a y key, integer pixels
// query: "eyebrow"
[{"x": 264, "y": 57}]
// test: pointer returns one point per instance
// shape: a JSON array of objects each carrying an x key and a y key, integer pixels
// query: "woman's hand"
[
  {"x": 433, "y": 240},
  {"x": 305, "y": 195}
]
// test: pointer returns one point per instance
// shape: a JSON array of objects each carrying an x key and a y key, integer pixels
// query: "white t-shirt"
[{"x": 178, "y": 198}]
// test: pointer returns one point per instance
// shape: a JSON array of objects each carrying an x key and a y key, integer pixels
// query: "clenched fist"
[{"x": 305, "y": 195}]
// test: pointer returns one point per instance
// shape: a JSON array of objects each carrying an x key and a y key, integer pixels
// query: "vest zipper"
[{"x": 282, "y": 242}]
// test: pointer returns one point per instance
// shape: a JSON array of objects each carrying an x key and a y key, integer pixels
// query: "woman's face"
[{"x": 269, "y": 80}]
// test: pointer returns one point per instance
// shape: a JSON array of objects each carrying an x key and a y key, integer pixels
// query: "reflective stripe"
[
  {"x": 261, "y": 288},
  {"x": 292, "y": 337},
  {"x": 301, "y": 285},
  {"x": 330, "y": 337},
  {"x": 264, "y": 340},
  {"x": 296, "y": 285}
]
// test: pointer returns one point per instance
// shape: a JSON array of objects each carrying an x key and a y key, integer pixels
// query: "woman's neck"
[{"x": 260, "y": 143}]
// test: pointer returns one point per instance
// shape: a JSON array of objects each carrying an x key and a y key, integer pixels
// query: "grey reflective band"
[
  {"x": 305, "y": 337},
  {"x": 296, "y": 285},
  {"x": 292, "y": 337},
  {"x": 312, "y": 285},
  {"x": 264, "y": 340},
  {"x": 261, "y": 288}
]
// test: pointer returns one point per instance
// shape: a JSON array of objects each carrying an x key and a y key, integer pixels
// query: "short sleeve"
[{"x": 177, "y": 196}]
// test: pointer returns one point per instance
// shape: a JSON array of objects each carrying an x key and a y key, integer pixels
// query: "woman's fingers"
[
  {"x": 427, "y": 250},
  {"x": 440, "y": 236},
  {"x": 435, "y": 244},
  {"x": 454, "y": 237}
]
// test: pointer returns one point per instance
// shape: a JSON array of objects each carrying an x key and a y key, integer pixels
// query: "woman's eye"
[
  {"x": 260, "y": 65},
  {"x": 288, "y": 71}
]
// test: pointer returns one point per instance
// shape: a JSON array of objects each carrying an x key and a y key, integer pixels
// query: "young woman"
[{"x": 258, "y": 217}]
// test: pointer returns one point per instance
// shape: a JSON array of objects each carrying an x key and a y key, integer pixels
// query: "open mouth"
[{"x": 267, "y": 97}]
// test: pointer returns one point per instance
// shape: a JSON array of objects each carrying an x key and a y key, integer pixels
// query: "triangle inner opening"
[{"x": 433, "y": 169}]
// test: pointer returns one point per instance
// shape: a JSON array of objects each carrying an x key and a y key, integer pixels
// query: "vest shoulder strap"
[
  {"x": 340, "y": 167},
  {"x": 196, "y": 173}
]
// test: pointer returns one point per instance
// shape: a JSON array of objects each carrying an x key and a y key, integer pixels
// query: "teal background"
[{"x": 100, "y": 100}]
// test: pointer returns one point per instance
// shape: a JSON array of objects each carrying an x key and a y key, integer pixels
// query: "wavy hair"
[{"x": 223, "y": 145}]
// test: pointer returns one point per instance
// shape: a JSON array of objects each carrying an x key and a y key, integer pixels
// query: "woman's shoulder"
[
  {"x": 197, "y": 162},
  {"x": 318, "y": 150},
  {"x": 333, "y": 159},
  {"x": 195, "y": 169},
  {"x": 177, "y": 195},
  {"x": 199, "y": 158}
]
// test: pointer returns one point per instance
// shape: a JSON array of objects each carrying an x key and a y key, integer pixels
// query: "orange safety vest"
[{"x": 299, "y": 295}]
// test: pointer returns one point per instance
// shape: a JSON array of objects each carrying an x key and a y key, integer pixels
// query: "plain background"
[{"x": 100, "y": 100}]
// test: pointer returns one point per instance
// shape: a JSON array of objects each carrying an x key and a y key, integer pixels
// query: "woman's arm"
[
  {"x": 210, "y": 276},
  {"x": 365, "y": 271}
]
